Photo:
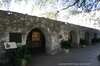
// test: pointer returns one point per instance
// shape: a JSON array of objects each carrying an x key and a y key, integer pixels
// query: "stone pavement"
[{"x": 76, "y": 57}]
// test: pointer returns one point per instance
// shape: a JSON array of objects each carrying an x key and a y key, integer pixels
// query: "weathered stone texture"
[{"x": 53, "y": 30}]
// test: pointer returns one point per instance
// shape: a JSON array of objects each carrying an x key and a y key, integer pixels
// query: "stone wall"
[{"x": 54, "y": 31}]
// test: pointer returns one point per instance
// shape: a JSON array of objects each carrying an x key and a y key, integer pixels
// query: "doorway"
[
  {"x": 36, "y": 40},
  {"x": 87, "y": 36},
  {"x": 72, "y": 37},
  {"x": 69, "y": 37}
]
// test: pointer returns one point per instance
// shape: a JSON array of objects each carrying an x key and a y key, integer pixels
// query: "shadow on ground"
[{"x": 76, "y": 57}]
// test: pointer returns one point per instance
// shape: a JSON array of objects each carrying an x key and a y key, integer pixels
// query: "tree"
[
  {"x": 49, "y": 15},
  {"x": 83, "y": 4},
  {"x": 56, "y": 6},
  {"x": 59, "y": 4},
  {"x": 5, "y": 3}
]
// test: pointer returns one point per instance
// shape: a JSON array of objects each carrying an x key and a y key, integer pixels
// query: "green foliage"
[
  {"x": 60, "y": 3},
  {"x": 42, "y": 4},
  {"x": 65, "y": 44},
  {"x": 95, "y": 40},
  {"x": 0, "y": 4},
  {"x": 49, "y": 15},
  {"x": 6, "y": 0},
  {"x": 87, "y": 10},
  {"x": 20, "y": 54},
  {"x": 2, "y": 64},
  {"x": 83, "y": 42},
  {"x": 73, "y": 12}
]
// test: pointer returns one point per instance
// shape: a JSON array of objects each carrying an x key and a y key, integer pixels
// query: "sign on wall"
[
  {"x": 10, "y": 45},
  {"x": 35, "y": 36}
]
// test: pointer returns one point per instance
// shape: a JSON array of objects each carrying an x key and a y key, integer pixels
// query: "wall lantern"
[{"x": 9, "y": 13}]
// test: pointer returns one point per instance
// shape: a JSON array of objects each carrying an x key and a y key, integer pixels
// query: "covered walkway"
[{"x": 76, "y": 57}]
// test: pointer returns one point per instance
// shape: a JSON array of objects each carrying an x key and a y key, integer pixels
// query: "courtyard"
[
  {"x": 76, "y": 57},
  {"x": 40, "y": 26}
]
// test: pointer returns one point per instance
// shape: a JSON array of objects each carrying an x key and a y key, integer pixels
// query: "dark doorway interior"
[
  {"x": 70, "y": 37},
  {"x": 36, "y": 41},
  {"x": 87, "y": 36},
  {"x": 95, "y": 35}
]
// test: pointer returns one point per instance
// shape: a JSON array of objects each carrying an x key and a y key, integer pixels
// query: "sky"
[{"x": 26, "y": 8}]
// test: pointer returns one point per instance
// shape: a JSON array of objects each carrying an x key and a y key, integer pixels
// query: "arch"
[
  {"x": 45, "y": 41},
  {"x": 87, "y": 37},
  {"x": 69, "y": 37},
  {"x": 72, "y": 37},
  {"x": 95, "y": 35}
]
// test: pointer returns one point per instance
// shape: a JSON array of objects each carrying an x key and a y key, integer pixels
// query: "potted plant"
[
  {"x": 83, "y": 42},
  {"x": 66, "y": 45},
  {"x": 95, "y": 40},
  {"x": 21, "y": 56},
  {"x": 98, "y": 40},
  {"x": 1, "y": 64}
]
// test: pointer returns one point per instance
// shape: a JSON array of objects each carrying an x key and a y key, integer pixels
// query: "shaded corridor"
[{"x": 76, "y": 57}]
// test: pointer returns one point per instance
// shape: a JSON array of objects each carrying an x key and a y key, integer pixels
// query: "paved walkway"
[{"x": 76, "y": 57}]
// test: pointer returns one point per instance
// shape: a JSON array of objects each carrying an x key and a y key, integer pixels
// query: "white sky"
[{"x": 23, "y": 8}]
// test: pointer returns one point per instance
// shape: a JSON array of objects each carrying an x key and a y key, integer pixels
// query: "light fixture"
[{"x": 9, "y": 13}]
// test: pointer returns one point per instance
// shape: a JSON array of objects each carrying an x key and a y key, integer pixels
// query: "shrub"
[
  {"x": 65, "y": 44},
  {"x": 83, "y": 42},
  {"x": 95, "y": 40},
  {"x": 21, "y": 53}
]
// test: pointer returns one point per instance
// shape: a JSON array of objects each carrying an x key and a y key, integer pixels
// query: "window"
[{"x": 15, "y": 37}]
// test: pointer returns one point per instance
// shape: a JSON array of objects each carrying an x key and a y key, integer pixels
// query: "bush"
[
  {"x": 65, "y": 44},
  {"x": 98, "y": 40},
  {"x": 2, "y": 64},
  {"x": 83, "y": 42},
  {"x": 20, "y": 54},
  {"x": 95, "y": 40}
]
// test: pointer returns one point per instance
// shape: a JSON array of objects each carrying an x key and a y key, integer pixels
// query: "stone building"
[{"x": 39, "y": 32}]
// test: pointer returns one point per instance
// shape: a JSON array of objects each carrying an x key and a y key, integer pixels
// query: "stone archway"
[
  {"x": 95, "y": 35},
  {"x": 39, "y": 39},
  {"x": 69, "y": 37},
  {"x": 72, "y": 37},
  {"x": 87, "y": 36}
]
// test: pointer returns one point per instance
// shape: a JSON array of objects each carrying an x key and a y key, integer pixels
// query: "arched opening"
[
  {"x": 72, "y": 37},
  {"x": 95, "y": 35},
  {"x": 36, "y": 40},
  {"x": 39, "y": 40},
  {"x": 87, "y": 36},
  {"x": 69, "y": 37}
]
